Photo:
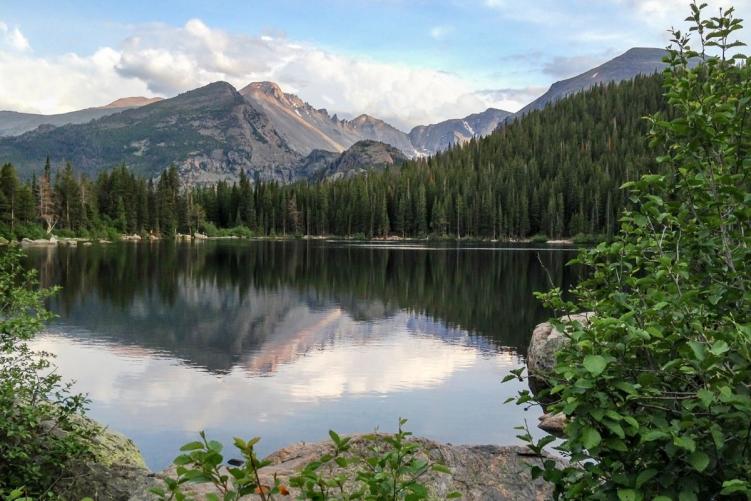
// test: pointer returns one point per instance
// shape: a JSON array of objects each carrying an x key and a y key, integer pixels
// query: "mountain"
[
  {"x": 210, "y": 134},
  {"x": 13, "y": 123},
  {"x": 633, "y": 62},
  {"x": 362, "y": 156},
  {"x": 132, "y": 102},
  {"x": 215, "y": 132},
  {"x": 306, "y": 129},
  {"x": 430, "y": 139},
  {"x": 378, "y": 130}
]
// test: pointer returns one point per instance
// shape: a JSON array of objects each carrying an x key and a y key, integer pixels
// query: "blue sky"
[{"x": 406, "y": 61}]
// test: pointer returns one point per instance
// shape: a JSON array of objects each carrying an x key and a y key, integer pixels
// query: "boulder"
[
  {"x": 483, "y": 472},
  {"x": 114, "y": 471},
  {"x": 553, "y": 423},
  {"x": 39, "y": 241},
  {"x": 543, "y": 347}
]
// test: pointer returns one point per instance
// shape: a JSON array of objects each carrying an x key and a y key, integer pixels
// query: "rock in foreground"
[
  {"x": 479, "y": 473},
  {"x": 545, "y": 343}
]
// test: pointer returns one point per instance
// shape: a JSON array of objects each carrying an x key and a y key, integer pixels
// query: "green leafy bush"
[
  {"x": 40, "y": 426},
  {"x": 657, "y": 389},
  {"x": 582, "y": 239},
  {"x": 390, "y": 471},
  {"x": 65, "y": 233},
  {"x": 32, "y": 231}
]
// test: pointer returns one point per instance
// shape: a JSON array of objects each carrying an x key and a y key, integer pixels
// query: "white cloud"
[
  {"x": 165, "y": 60},
  {"x": 565, "y": 67},
  {"x": 512, "y": 99},
  {"x": 13, "y": 37},
  {"x": 663, "y": 13},
  {"x": 441, "y": 31}
]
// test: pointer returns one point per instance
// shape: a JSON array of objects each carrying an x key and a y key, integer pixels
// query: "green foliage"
[
  {"x": 656, "y": 389},
  {"x": 391, "y": 470},
  {"x": 40, "y": 429},
  {"x": 201, "y": 462}
]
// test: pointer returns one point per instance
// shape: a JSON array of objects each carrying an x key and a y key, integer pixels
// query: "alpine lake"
[{"x": 288, "y": 339}]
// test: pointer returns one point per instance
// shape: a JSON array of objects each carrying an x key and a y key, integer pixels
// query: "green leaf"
[
  {"x": 615, "y": 428},
  {"x": 685, "y": 442},
  {"x": 698, "y": 349},
  {"x": 687, "y": 496},
  {"x": 719, "y": 347},
  {"x": 192, "y": 446},
  {"x": 705, "y": 396},
  {"x": 595, "y": 364},
  {"x": 628, "y": 495},
  {"x": 590, "y": 438},
  {"x": 653, "y": 435},
  {"x": 645, "y": 476},
  {"x": 735, "y": 485},
  {"x": 699, "y": 460}
]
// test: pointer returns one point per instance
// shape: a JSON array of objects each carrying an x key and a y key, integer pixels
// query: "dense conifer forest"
[{"x": 552, "y": 172}]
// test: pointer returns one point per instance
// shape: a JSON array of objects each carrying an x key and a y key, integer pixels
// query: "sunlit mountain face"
[{"x": 169, "y": 339}]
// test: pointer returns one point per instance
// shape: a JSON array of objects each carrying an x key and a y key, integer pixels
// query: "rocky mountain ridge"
[
  {"x": 214, "y": 132},
  {"x": 633, "y": 62},
  {"x": 14, "y": 123},
  {"x": 429, "y": 139}
]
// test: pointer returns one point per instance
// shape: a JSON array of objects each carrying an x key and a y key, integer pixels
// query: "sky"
[{"x": 408, "y": 62}]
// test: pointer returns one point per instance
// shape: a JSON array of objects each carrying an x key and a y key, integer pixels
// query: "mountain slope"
[
  {"x": 555, "y": 171},
  {"x": 13, "y": 123},
  {"x": 132, "y": 102},
  {"x": 429, "y": 139},
  {"x": 362, "y": 156},
  {"x": 306, "y": 129},
  {"x": 210, "y": 134},
  {"x": 633, "y": 62}
]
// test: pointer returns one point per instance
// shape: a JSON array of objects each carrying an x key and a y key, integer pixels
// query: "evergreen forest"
[{"x": 553, "y": 172}]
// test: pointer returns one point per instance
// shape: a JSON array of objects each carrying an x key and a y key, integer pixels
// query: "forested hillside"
[{"x": 554, "y": 171}]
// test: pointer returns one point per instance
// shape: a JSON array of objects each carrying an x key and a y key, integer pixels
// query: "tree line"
[{"x": 554, "y": 171}]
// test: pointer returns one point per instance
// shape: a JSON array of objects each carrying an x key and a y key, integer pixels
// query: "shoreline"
[
  {"x": 75, "y": 241},
  {"x": 479, "y": 472}
]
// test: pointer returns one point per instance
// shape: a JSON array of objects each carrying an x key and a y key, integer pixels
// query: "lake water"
[{"x": 286, "y": 340}]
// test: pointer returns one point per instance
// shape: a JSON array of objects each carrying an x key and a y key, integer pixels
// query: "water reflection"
[
  {"x": 212, "y": 303},
  {"x": 289, "y": 339}
]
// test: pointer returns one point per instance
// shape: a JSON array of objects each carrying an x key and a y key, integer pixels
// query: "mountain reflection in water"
[{"x": 288, "y": 339}]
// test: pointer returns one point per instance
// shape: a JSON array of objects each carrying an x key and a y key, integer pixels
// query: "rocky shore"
[
  {"x": 479, "y": 473},
  {"x": 546, "y": 341}
]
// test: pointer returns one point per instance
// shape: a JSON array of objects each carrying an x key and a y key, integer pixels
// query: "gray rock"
[
  {"x": 479, "y": 473},
  {"x": 116, "y": 470},
  {"x": 431, "y": 139},
  {"x": 545, "y": 343},
  {"x": 554, "y": 424}
]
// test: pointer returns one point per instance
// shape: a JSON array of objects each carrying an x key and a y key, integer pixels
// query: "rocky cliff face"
[
  {"x": 210, "y": 134},
  {"x": 429, "y": 139},
  {"x": 362, "y": 156},
  {"x": 306, "y": 129},
  {"x": 636, "y": 61}
]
